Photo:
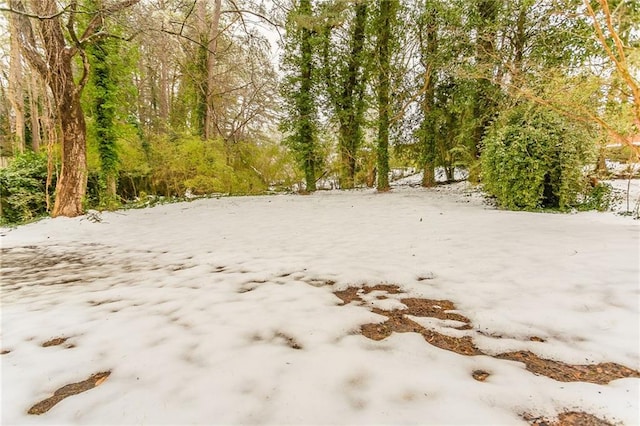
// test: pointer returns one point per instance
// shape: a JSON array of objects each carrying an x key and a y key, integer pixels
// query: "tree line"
[{"x": 118, "y": 99}]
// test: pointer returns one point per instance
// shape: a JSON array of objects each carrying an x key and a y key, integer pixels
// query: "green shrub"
[
  {"x": 22, "y": 188},
  {"x": 533, "y": 158},
  {"x": 205, "y": 167}
]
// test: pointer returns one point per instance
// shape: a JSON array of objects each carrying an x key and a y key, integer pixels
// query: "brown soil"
[
  {"x": 351, "y": 294},
  {"x": 55, "y": 342},
  {"x": 5, "y": 351},
  {"x": 480, "y": 375},
  {"x": 593, "y": 373},
  {"x": 569, "y": 418},
  {"x": 67, "y": 391},
  {"x": 348, "y": 295},
  {"x": 435, "y": 309},
  {"x": 442, "y": 309},
  {"x": 399, "y": 323}
]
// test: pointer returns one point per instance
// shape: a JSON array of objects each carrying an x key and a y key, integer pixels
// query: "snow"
[
  {"x": 626, "y": 194},
  {"x": 221, "y": 311}
]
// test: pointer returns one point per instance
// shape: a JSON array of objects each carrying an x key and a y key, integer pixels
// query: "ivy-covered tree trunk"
[
  {"x": 383, "y": 47},
  {"x": 346, "y": 90},
  {"x": 428, "y": 38},
  {"x": 299, "y": 90},
  {"x": 104, "y": 106},
  {"x": 305, "y": 101}
]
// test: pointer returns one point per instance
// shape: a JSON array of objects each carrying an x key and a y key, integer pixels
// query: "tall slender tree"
[
  {"x": 101, "y": 56},
  {"x": 15, "y": 92},
  {"x": 209, "y": 31},
  {"x": 300, "y": 89},
  {"x": 427, "y": 32},
  {"x": 345, "y": 71},
  {"x": 384, "y": 49}
]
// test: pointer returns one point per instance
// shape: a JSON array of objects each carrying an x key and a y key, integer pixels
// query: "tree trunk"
[
  {"x": 519, "y": 45},
  {"x": 72, "y": 183},
  {"x": 16, "y": 96},
  {"x": 214, "y": 32},
  {"x": 347, "y": 156},
  {"x": 351, "y": 106},
  {"x": 305, "y": 101},
  {"x": 384, "y": 83},
  {"x": 35, "y": 88},
  {"x": 428, "y": 50},
  {"x": 209, "y": 37},
  {"x": 54, "y": 61}
]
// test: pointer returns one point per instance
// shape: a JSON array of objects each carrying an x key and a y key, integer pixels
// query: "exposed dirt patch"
[
  {"x": 290, "y": 341},
  {"x": 69, "y": 390},
  {"x": 444, "y": 310},
  {"x": 400, "y": 324},
  {"x": 460, "y": 345},
  {"x": 569, "y": 418},
  {"x": 389, "y": 288},
  {"x": 480, "y": 375},
  {"x": 396, "y": 322},
  {"x": 55, "y": 342},
  {"x": 5, "y": 351},
  {"x": 593, "y": 373},
  {"x": 351, "y": 294},
  {"x": 440, "y": 309}
]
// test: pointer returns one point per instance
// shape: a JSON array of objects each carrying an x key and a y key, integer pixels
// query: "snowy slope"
[{"x": 221, "y": 311}]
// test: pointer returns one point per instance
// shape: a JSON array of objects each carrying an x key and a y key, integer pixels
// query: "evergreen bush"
[
  {"x": 22, "y": 188},
  {"x": 534, "y": 158}
]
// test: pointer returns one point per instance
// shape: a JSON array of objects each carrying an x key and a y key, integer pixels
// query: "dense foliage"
[
  {"x": 534, "y": 158},
  {"x": 23, "y": 188},
  {"x": 198, "y": 98}
]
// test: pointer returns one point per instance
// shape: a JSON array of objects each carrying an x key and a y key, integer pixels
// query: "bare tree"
[{"x": 15, "y": 92}]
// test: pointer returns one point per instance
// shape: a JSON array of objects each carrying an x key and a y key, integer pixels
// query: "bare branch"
[
  {"x": 27, "y": 38},
  {"x": 96, "y": 22},
  {"x": 581, "y": 115},
  {"x": 619, "y": 60},
  {"x": 237, "y": 10},
  {"x": 34, "y": 15},
  {"x": 85, "y": 71}
]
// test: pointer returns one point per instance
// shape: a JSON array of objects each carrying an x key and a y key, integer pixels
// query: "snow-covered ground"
[
  {"x": 626, "y": 195},
  {"x": 221, "y": 311}
]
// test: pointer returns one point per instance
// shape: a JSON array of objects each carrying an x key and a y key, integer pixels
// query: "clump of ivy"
[
  {"x": 23, "y": 188},
  {"x": 534, "y": 159}
]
